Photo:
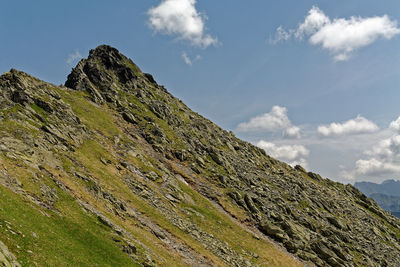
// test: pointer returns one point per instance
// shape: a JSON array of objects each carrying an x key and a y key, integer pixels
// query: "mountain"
[
  {"x": 388, "y": 187},
  {"x": 111, "y": 169},
  {"x": 389, "y": 203},
  {"x": 386, "y": 194}
]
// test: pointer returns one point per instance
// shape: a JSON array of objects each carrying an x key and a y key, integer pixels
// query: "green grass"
[
  {"x": 96, "y": 118},
  {"x": 73, "y": 239},
  {"x": 16, "y": 129},
  {"x": 133, "y": 67},
  {"x": 40, "y": 111}
]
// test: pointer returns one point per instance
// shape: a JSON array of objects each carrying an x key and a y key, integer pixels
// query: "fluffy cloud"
[
  {"x": 376, "y": 167},
  {"x": 73, "y": 57},
  {"x": 315, "y": 21},
  {"x": 293, "y": 132},
  {"x": 180, "y": 17},
  {"x": 341, "y": 36},
  {"x": 292, "y": 154},
  {"x": 395, "y": 125},
  {"x": 355, "y": 126},
  {"x": 386, "y": 149},
  {"x": 382, "y": 160},
  {"x": 275, "y": 120}
]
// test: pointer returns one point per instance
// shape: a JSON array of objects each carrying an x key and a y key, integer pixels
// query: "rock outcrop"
[{"x": 171, "y": 186}]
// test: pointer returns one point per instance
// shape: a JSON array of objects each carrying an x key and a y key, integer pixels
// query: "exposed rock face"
[
  {"x": 7, "y": 259},
  {"x": 100, "y": 73},
  {"x": 140, "y": 161}
]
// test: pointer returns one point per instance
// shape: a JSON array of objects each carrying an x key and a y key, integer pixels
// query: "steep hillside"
[{"x": 113, "y": 170}]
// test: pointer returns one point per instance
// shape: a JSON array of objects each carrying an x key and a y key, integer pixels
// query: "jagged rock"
[
  {"x": 315, "y": 176},
  {"x": 217, "y": 157},
  {"x": 250, "y": 204},
  {"x": 336, "y": 222},
  {"x": 129, "y": 249},
  {"x": 44, "y": 105},
  {"x": 152, "y": 176},
  {"x": 7, "y": 259},
  {"x": 129, "y": 117},
  {"x": 88, "y": 74},
  {"x": 20, "y": 97},
  {"x": 150, "y": 78},
  {"x": 322, "y": 251},
  {"x": 300, "y": 168},
  {"x": 272, "y": 230}
]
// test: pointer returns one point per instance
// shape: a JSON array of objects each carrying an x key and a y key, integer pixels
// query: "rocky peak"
[
  {"x": 104, "y": 73},
  {"x": 18, "y": 87}
]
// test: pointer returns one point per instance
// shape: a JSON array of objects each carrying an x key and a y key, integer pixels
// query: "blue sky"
[{"x": 324, "y": 94}]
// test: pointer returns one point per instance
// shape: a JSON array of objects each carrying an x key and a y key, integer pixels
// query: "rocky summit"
[{"x": 112, "y": 170}]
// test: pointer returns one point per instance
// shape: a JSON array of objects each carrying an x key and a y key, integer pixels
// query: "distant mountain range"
[{"x": 386, "y": 194}]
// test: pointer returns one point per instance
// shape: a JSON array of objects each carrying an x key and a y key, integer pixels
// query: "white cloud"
[
  {"x": 73, "y": 57},
  {"x": 315, "y": 20},
  {"x": 180, "y": 17},
  {"x": 274, "y": 120},
  {"x": 341, "y": 36},
  {"x": 386, "y": 149},
  {"x": 382, "y": 161},
  {"x": 292, "y": 154},
  {"x": 395, "y": 125},
  {"x": 378, "y": 167},
  {"x": 189, "y": 61},
  {"x": 354, "y": 126},
  {"x": 293, "y": 132}
]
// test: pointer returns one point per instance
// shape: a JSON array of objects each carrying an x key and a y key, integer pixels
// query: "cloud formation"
[
  {"x": 73, "y": 57},
  {"x": 189, "y": 61},
  {"x": 358, "y": 125},
  {"x": 275, "y": 120},
  {"x": 180, "y": 18},
  {"x": 292, "y": 154},
  {"x": 340, "y": 36},
  {"x": 382, "y": 160},
  {"x": 395, "y": 125},
  {"x": 293, "y": 132}
]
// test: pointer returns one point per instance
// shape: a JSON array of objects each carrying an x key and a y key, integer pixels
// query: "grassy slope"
[
  {"x": 212, "y": 220},
  {"x": 41, "y": 236},
  {"x": 75, "y": 237}
]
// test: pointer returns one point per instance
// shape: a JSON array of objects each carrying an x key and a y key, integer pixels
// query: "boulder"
[{"x": 127, "y": 116}]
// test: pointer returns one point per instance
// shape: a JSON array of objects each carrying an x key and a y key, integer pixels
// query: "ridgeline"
[{"x": 112, "y": 170}]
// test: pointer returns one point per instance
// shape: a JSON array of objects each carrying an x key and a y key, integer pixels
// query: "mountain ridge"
[
  {"x": 386, "y": 194},
  {"x": 143, "y": 165},
  {"x": 388, "y": 187}
]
